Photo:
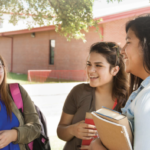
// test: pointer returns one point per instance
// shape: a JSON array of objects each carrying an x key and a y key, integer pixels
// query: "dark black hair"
[
  {"x": 111, "y": 51},
  {"x": 141, "y": 27}
]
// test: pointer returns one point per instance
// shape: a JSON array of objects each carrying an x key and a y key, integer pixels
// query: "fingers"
[
  {"x": 1, "y": 132},
  {"x": 89, "y": 134},
  {"x": 85, "y": 125},
  {"x": 1, "y": 137},
  {"x": 90, "y": 131},
  {"x": 84, "y": 131},
  {"x": 83, "y": 121},
  {"x": 89, "y": 126},
  {"x": 2, "y": 146},
  {"x": 84, "y": 147},
  {"x": 2, "y": 143},
  {"x": 87, "y": 138},
  {"x": 5, "y": 138}
]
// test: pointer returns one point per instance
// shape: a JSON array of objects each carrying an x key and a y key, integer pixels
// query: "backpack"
[{"x": 41, "y": 143}]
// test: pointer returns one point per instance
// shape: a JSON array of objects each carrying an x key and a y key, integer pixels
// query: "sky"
[{"x": 100, "y": 8}]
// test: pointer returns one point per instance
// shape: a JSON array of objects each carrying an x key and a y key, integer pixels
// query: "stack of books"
[{"x": 113, "y": 129}]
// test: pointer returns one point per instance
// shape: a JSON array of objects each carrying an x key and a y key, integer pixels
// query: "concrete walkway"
[
  {"x": 49, "y": 89},
  {"x": 50, "y": 99}
]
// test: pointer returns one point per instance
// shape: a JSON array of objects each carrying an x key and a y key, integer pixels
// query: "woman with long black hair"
[{"x": 136, "y": 53}]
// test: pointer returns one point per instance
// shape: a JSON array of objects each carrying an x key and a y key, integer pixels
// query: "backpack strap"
[{"x": 16, "y": 95}]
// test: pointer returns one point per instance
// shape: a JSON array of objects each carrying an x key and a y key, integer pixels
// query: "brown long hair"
[
  {"x": 111, "y": 51},
  {"x": 141, "y": 28},
  {"x": 4, "y": 90}
]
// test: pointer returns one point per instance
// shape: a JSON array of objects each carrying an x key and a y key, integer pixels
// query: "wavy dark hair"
[
  {"x": 111, "y": 51},
  {"x": 141, "y": 27},
  {"x": 4, "y": 90}
]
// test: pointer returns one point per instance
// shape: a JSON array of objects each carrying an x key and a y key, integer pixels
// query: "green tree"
[{"x": 70, "y": 17}]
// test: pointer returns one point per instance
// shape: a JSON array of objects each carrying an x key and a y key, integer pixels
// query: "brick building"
[{"x": 44, "y": 49}]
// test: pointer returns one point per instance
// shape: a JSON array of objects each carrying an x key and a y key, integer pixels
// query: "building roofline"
[
  {"x": 39, "y": 29},
  {"x": 107, "y": 18},
  {"x": 130, "y": 13}
]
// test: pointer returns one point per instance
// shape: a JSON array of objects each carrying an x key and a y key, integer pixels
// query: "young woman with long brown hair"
[
  {"x": 16, "y": 130},
  {"x": 107, "y": 86}
]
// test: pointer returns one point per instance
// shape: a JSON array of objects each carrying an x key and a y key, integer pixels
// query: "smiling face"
[
  {"x": 98, "y": 70},
  {"x": 132, "y": 54}
]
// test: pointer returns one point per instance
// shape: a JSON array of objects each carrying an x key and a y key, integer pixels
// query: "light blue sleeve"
[{"x": 142, "y": 122}]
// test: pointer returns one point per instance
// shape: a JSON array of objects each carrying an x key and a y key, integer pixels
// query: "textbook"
[
  {"x": 113, "y": 129},
  {"x": 88, "y": 120}
]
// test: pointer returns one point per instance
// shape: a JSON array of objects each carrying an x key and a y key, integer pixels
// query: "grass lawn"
[
  {"x": 17, "y": 78},
  {"x": 56, "y": 143},
  {"x": 23, "y": 79}
]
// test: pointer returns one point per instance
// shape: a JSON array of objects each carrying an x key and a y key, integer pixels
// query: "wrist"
[
  {"x": 15, "y": 135},
  {"x": 71, "y": 129}
]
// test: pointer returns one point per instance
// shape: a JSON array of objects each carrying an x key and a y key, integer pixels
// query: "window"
[
  {"x": 51, "y": 53},
  {"x": 1, "y": 23}
]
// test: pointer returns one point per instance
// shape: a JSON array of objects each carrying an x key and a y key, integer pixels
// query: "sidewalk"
[
  {"x": 50, "y": 99},
  {"x": 49, "y": 89}
]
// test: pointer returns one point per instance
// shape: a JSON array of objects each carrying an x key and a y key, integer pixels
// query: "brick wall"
[
  {"x": 115, "y": 31},
  {"x": 5, "y": 51},
  {"x": 33, "y": 53}
]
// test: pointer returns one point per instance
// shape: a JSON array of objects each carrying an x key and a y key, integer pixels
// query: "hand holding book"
[
  {"x": 113, "y": 129},
  {"x": 88, "y": 121},
  {"x": 83, "y": 130}
]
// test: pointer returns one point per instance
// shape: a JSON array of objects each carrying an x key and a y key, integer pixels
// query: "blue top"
[
  {"x": 137, "y": 109},
  {"x": 7, "y": 124}
]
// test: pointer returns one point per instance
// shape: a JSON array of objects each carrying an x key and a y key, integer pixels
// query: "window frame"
[{"x": 51, "y": 51}]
